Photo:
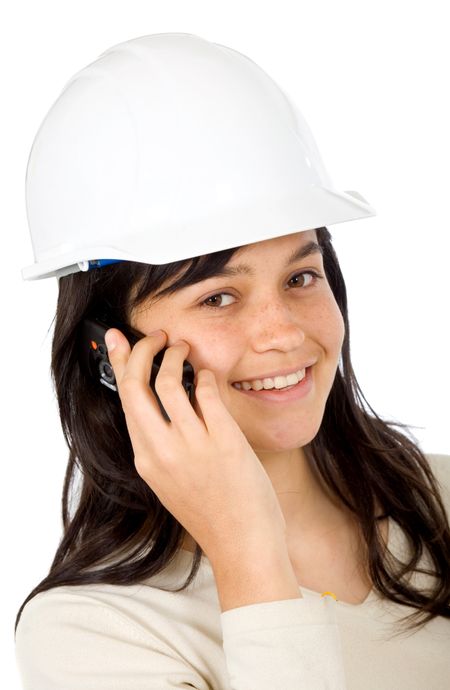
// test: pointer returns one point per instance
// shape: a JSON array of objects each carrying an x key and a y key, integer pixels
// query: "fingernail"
[
  {"x": 110, "y": 341},
  {"x": 158, "y": 332}
]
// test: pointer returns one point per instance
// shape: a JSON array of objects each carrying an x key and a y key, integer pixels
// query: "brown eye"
[
  {"x": 315, "y": 278},
  {"x": 216, "y": 303}
]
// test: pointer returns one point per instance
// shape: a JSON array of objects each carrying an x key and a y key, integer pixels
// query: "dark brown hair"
[{"x": 116, "y": 517}]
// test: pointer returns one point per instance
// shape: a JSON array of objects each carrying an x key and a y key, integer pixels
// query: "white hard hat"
[{"x": 166, "y": 147}]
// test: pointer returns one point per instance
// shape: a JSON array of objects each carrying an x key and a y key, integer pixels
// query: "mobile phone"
[{"x": 96, "y": 362}]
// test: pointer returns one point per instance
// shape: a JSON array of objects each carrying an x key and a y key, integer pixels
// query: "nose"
[{"x": 276, "y": 327}]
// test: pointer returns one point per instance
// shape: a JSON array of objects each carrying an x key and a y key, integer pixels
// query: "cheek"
[
  {"x": 329, "y": 327},
  {"x": 214, "y": 349}
]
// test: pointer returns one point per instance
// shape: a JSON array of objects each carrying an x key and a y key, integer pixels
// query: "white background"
[{"x": 372, "y": 81}]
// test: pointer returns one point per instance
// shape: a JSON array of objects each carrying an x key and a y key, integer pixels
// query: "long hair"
[{"x": 115, "y": 529}]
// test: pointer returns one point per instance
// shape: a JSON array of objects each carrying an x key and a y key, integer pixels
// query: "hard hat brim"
[{"x": 319, "y": 207}]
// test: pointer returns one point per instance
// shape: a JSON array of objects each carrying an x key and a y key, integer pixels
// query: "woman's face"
[{"x": 271, "y": 320}]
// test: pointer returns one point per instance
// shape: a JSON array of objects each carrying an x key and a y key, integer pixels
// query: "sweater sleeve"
[
  {"x": 68, "y": 641},
  {"x": 293, "y": 644}
]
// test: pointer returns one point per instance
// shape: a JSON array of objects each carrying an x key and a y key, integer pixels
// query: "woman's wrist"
[{"x": 255, "y": 576}]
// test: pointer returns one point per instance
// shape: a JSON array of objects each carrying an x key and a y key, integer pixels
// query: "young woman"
[{"x": 265, "y": 530}]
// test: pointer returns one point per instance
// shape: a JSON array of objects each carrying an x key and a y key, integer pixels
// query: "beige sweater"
[{"x": 138, "y": 637}]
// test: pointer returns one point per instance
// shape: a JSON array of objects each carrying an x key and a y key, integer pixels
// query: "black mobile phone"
[{"x": 95, "y": 357}]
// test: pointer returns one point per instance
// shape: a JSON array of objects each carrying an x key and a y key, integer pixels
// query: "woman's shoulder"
[
  {"x": 99, "y": 632},
  {"x": 101, "y": 605},
  {"x": 438, "y": 457},
  {"x": 62, "y": 610},
  {"x": 440, "y": 466},
  {"x": 139, "y": 610}
]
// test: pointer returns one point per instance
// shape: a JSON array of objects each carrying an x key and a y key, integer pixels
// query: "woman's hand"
[{"x": 203, "y": 470}]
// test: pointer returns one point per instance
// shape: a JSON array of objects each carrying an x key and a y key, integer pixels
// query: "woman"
[{"x": 268, "y": 531}]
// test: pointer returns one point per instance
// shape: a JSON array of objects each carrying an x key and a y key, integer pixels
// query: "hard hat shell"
[{"x": 169, "y": 146}]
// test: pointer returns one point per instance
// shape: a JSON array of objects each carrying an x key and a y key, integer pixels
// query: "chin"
[
  {"x": 276, "y": 432},
  {"x": 279, "y": 440}
]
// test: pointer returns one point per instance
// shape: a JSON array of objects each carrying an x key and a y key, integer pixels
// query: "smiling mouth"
[
  {"x": 302, "y": 387},
  {"x": 272, "y": 382}
]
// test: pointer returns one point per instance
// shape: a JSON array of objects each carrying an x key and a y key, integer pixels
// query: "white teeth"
[
  {"x": 257, "y": 385},
  {"x": 269, "y": 383},
  {"x": 276, "y": 382},
  {"x": 291, "y": 379}
]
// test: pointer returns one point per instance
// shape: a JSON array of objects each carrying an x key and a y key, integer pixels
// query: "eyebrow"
[{"x": 301, "y": 253}]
